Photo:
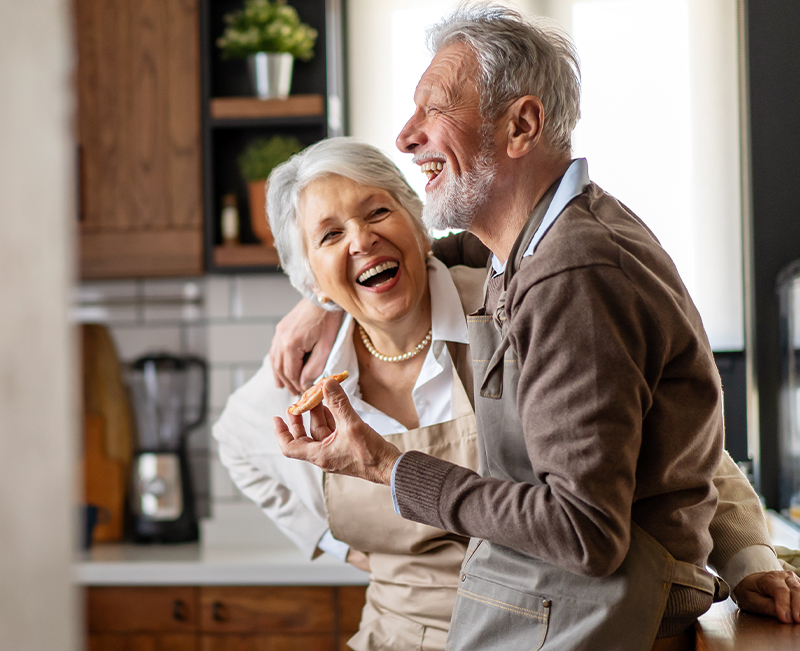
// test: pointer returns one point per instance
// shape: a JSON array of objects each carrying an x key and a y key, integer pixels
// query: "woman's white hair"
[
  {"x": 345, "y": 157},
  {"x": 517, "y": 57}
]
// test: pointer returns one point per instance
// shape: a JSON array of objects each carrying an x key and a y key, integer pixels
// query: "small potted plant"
[
  {"x": 255, "y": 164},
  {"x": 270, "y": 36}
]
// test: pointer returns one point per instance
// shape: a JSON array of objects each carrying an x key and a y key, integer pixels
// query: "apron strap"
[{"x": 492, "y": 384}]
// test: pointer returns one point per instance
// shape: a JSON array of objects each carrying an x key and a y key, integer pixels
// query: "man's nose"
[{"x": 411, "y": 136}]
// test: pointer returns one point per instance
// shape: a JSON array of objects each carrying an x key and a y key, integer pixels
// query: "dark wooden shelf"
[
  {"x": 245, "y": 255},
  {"x": 232, "y": 108}
]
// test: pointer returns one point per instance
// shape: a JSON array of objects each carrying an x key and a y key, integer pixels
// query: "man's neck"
[{"x": 505, "y": 214}]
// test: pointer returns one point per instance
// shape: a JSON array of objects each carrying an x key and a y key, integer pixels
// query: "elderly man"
[{"x": 597, "y": 397}]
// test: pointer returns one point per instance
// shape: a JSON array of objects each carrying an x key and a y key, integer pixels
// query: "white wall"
[
  {"x": 660, "y": 125},
  {"x": 38, "y": 607}
]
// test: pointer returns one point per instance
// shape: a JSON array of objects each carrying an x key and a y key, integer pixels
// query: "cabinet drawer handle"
[
  {"x": 179, "y": 610},
  {"x": 218, "y": 611}
]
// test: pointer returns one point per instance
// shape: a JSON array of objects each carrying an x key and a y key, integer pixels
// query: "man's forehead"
[{"x": 453, "y": 72}]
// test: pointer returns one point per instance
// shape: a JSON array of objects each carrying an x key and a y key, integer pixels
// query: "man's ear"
[{"x": 524, "y": 124}]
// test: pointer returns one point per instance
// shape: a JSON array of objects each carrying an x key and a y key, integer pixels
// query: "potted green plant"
[
  {"x": 255, "y": 165},
  {"x": 270, "y": 36}
]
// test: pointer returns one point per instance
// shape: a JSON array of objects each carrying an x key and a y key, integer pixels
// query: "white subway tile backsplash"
[
  {"x": 232, "y": 343},
  {"x": 109, "y": 314},
  {"x": 188, "y": 289},
  {"x": 103, "y": 290},
  {"x": 220, "y": 387},
  {"x": 222, "y": 487},
  {"x": 218, "y": 297},
  {"x": 227, "y": 320},
  {"x": 265, "y": 296},
  {"x": 194, "y": 340},
  {"x": 186, "y": 313},
  {"x": 133, "y": 341}
]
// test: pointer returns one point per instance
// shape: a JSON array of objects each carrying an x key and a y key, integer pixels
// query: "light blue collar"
[{"x": 575, "y": 179}]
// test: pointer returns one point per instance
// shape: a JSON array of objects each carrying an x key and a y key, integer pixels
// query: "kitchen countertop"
[{"x": 193, "y": 564}]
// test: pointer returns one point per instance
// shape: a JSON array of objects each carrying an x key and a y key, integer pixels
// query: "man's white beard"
[{"x": 457, "y": 200}]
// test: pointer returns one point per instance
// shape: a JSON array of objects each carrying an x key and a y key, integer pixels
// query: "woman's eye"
[
  {"x": 380, "y": 212},
  {"x": 328, "y": 236}
]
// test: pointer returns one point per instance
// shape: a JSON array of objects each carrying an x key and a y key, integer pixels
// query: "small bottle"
[
  {"x": 794, "y": 508},
  {"x": 230, "y": 220}
]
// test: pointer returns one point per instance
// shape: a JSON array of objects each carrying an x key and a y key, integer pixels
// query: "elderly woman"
[{"x": 348, "y": 230}]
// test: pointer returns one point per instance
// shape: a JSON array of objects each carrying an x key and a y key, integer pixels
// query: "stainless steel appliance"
[{"x": 169, "y": 402}]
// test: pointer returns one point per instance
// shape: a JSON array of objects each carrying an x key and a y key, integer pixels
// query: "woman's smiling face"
[{"x": 365, "y": 250}]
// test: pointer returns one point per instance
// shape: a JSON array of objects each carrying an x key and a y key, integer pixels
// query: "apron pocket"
[
  {"x": 492, "y": 617},
  {"x": 388, "y": 632}
]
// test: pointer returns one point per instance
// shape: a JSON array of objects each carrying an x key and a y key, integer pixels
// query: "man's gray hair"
[
  {"x": 345, "y": 157},
  {"x": 517, "y": 57}
]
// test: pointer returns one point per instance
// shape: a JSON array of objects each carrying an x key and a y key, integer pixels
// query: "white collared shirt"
[
  {"x": 290, "y": 492},
  {"x": 572, "y": 184},
  {"x": 432, "y": 392}
]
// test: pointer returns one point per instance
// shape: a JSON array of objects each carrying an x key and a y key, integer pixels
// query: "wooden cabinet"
[
  {"x": 232, "y": 119},
  {"x": 162, "y": 120},
  {"x": 212, "y": 618},
  {"x": 139, "y": 138}
]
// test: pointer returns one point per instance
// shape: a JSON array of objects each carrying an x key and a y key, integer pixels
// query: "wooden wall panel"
[
  {"x": 183, "y": 40},
  {"x": 139, "y": 135},
  {"x": 141, "y": 610},
  {"x": 275, "y": 609},
  {"x": 148, "y": 117},
  {"x": 268, "y": 643},
  {"x": 106, "y": 642}
]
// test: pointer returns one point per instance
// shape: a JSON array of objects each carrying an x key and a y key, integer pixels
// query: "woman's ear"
[
  {"x": 321, "y": 297},
  {"x": 524, "y": 124}
]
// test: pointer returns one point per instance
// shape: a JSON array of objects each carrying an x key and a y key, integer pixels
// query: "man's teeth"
[
  {"x": 431, "y": 168},
  {"x": 374, "y": 271}
]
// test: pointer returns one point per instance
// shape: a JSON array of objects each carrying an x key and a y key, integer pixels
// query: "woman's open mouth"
[{"x": 379, "y": 275}]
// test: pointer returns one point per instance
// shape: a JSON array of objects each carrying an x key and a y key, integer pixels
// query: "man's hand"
[
  {"x": 358, "y": 559},
  {"x": 306, "y": 329},
  {"x": 338, "y": 440},
  {"x": 775, "y": 593}
]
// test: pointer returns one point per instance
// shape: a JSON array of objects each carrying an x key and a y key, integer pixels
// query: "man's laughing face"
[{"x": 450, "y": 140}]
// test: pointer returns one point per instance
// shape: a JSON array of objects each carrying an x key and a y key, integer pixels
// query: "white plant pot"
[{"x": 271, "y": 74}]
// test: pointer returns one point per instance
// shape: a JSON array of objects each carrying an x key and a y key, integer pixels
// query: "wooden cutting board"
[
  {"x": 105, "y": 396},
  {"x": 104, "y": 482}
]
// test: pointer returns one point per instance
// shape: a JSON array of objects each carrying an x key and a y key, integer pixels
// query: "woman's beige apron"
[
  {"x": 509, "y": 601},
  {"x": 413, "y": 567}
]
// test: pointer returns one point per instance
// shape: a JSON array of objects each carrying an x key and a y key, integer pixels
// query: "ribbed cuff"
[{"x": 418, "y": 480}]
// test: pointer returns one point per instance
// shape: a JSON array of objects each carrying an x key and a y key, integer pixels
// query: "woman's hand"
[
  {"x": 358, "y": 559},
  {"x": 338, "y": 441},
  {"x": 306, "y": 329},
  {"x": 775, "y": 593}
]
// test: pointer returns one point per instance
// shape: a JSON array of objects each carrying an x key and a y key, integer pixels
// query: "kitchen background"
[
  {"x": 39, "y": 425},
  {"x": 227, "y": 320}
]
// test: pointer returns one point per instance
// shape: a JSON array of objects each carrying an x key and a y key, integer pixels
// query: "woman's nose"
[
  {"x": 363, "y": 239},
  {"x": 411, "y": 136}
]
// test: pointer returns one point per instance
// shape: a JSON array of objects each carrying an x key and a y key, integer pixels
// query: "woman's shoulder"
[{"x": 469, "y": 283}]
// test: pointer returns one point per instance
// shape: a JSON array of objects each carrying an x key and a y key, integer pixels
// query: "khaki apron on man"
[
  {"x": 413, "y": 567},
  {"x": 509, "y": 601}
]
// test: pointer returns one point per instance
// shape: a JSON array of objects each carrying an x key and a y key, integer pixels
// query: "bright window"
[{"x": 660, "y": 125}]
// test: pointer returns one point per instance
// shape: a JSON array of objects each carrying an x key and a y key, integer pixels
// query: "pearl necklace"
[{"x": 396, "y": 358}]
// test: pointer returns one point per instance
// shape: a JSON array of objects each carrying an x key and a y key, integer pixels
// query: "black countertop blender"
[{"x": 169, "y": 401}]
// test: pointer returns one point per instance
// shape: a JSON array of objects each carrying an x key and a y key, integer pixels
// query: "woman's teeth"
[
  {"x": 431, "y": 168},
  {"x": 374, "y": 271}
]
